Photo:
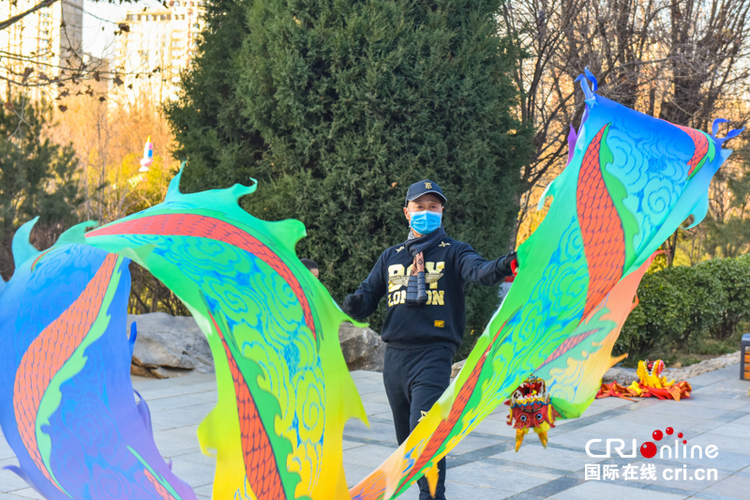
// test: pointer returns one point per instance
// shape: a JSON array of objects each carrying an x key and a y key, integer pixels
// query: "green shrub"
[
  {"x": 703, "y": 300},
  {"x": 659, "y": 316},
  {"x": 734, "y": 275},
  {"x": 694, "y": 310}
]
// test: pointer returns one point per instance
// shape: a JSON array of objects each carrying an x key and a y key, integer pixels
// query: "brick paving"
[{"x": 485, "y": 465}]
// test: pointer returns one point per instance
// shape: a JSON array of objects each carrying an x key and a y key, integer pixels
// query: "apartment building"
[
  {"x": 159, "y": 43},
  {"x": 48, "y": 41}
]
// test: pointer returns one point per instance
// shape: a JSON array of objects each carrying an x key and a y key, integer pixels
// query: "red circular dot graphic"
[
  {"x": 679, "y": 435},
  {"x": 669, "y": 430},
  {"x": 657, "y": 435},
  {"x": 648, "y": 449},
  {"x": 684, "y": 441}
]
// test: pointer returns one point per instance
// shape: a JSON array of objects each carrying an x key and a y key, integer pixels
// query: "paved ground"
[{"x": 484, "y": 466}]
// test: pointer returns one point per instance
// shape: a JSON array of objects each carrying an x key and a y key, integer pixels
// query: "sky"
[{"x": 98, "y": 15}]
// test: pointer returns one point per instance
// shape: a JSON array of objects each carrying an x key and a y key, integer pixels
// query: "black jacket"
[{"x": 449, "y": 266}]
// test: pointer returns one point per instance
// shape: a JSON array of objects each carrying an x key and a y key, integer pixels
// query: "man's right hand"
[
  {"x": 511, "y": 261},
  {"x": 353, "y": 304}
]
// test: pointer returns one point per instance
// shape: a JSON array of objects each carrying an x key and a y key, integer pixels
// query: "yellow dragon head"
[{"x": 649, "y": 373}]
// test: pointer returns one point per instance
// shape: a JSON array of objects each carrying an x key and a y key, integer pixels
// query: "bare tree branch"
[
  {"x": 15, "y": 19},
  {"x": 681, "y": 60}
]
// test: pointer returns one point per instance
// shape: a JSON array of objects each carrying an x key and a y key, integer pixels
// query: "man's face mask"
[{"x": 425, "y": 222}]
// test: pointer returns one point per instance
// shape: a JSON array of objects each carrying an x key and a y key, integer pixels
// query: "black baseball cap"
[
  {"x": 421, "y": 188},
  {"x": 309, "y": 263}
]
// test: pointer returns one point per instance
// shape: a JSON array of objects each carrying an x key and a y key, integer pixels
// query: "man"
[
  {"x": 311, "y": 266},
  {"x": 424, "y": 279}
]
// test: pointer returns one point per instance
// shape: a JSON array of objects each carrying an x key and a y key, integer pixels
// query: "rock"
[
  {"x": 141, "y": 371},
  {"x": 362, "y": 348},
  {"x": 705, "y": 366},
  {"x": 166, "y": 372},
  {"x": 623, "y": 376},
  {"x": 457, "y": 368},
  {"x": 169, "y": 345}
]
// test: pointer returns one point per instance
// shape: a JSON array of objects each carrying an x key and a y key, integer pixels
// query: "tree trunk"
[
  {"x": 671, "y": 250},
  {"x": 155, "y": 296}
]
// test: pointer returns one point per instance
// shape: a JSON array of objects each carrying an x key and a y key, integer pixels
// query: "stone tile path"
[{"x": 485, "y": 465}]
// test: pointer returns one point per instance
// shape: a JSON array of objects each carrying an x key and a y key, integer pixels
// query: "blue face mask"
[{"x": 425, "y": 222}]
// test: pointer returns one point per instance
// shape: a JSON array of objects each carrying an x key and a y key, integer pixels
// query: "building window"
[
  {"x": 182, "y": 17},
  {"x": 169, "y": 17},
  {"x": 163, "y": 17},
  {"x": 138, "y": 17}
]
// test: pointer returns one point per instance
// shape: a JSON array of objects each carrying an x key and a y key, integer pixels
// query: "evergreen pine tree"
[
  {"x": 37, "y": 176},
  {"x": 342, "y": 104}
]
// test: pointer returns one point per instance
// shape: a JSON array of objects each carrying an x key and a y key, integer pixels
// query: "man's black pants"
[{"x": 414, "y": 379}]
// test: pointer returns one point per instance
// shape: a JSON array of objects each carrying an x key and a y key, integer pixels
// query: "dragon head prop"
[
  {"x": 649, "y": 374},
  {"x": 530, "y": 408}
]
